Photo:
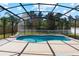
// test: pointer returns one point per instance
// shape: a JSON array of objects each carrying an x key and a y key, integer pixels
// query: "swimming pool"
[{"x": 41, "y": 38}]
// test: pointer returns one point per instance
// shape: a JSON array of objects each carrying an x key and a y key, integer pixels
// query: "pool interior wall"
[{"x": 42, "y": 38}]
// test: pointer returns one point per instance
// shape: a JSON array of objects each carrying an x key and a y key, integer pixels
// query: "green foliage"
[
  {"x": 8, "y": 23},
  {"x": 52, "y": 22}
]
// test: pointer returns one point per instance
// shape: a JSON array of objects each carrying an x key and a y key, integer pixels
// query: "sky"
[{"x": 42, "y": 8}]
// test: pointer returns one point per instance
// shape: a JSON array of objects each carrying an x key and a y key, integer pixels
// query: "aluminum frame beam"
[
  {"x": 24, "y": 9},
  {"x": 11, "y": 12},
  {"x": 41, "y": 4},
  {"x": 69, "y": 11},
  {"x": 54, "y": 7}
]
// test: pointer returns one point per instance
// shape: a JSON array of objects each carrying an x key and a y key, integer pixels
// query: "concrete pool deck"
[{"x": 13, "y": 47}]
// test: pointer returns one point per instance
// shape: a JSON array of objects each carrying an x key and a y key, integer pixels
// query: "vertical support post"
[
  {"x": 16, "y": 26},
  {"x": 75, "y": 29},
  {"x": 39, "y": 7},
  {"x": 39, "y": 16},
  {"x": 12, "y": 28},
  {"x": 4, "y": 28},
  {"x": 24, "y": 27}
]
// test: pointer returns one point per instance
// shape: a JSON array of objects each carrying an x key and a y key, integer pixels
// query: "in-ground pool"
[{"x": 41, "y": 38}]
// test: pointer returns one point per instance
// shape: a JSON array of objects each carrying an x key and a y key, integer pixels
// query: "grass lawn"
[
  {"x": 6, "y": 35},
  {"x": 33, "y": 33},
  {"x": 72, "y": 35}
]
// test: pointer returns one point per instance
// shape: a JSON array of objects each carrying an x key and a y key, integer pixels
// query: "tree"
[
  {"x": 71, "y": 20},
  {"x": 35, "y": 20},
  {"x": 39, "y": 17},
  {"x": 77, "y": 20},
  {"x": 14, "y": 22},
  {"x": 51, "y": 21},
  {"x": 54, "y": 21},
  {"x": 4, "y": 23}
]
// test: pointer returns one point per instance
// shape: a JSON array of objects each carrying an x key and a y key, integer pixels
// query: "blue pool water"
[{"x": 38, "y": 38}]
